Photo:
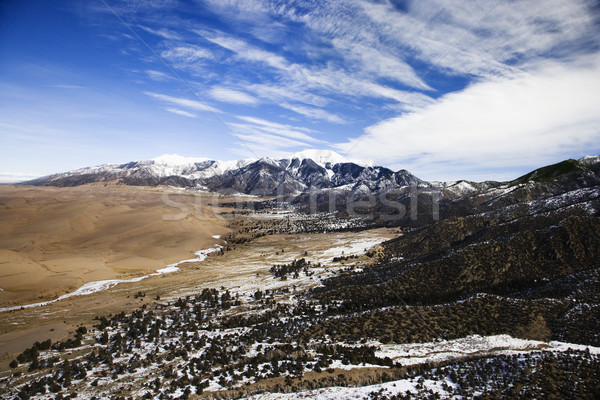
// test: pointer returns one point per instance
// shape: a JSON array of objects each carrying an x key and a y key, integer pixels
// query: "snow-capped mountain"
[
  {"x": 328, "y": 157},
  {"x": 322, "y": 170},
  {"x": 306, "y": 170}
]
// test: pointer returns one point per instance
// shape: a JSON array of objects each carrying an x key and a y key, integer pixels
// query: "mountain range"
[
  {"x": 518, "y": 258},
  {"x": 324, "y": 172},
  {"x": 300, "y": 172}
]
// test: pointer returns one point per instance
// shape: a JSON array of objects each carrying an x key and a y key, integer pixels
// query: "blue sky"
[{"x": 445, "y": 89}]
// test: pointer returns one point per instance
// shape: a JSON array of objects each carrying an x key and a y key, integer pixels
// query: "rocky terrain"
[
  {"x": 295, "y": 174},
  {"x": 487, "y": 290}
]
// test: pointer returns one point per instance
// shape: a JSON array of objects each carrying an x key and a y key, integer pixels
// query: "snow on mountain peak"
[
  {"x": 590, "y": 160},
  {"x": 322, "y": 157}
]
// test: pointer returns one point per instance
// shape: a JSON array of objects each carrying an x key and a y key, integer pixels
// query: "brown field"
[
  {"x": 244, "y": 269},
  {"x": 52, "y": 240}
]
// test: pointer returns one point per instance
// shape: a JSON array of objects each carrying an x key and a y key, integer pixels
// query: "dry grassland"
[
  {"x": 52, "y": 240},
  {"x": 55, "y": 239}
]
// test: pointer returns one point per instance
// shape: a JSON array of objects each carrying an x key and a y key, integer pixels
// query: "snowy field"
[
  {"x": 358, "y": 393},
  {"x": 421, "y": 353},
  {"x": 446, "y": 350},
  {"x": 249, "y": 271}
]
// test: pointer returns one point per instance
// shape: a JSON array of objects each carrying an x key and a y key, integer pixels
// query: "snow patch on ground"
[
  {"x": 419, "y": 353},
  {"x": 249, "y": 275},
  {"x": 446, "y": 350},
  {"x": 337, "y": 392},
  {"x": 351, "y": 248},
  {"x": 201, "y": 255},
  {"x": 562, "y": 346},
  {"x": 462, "y": 188},
  {"x": 338, "y": 364}
]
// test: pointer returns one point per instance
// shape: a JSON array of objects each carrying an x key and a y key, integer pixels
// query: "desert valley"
[{"x": 114, "y": 290}]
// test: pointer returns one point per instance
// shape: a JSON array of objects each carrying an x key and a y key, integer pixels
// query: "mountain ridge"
[
  {"x": 300, "y": 173},
  {"x": 265, "y": 176}
]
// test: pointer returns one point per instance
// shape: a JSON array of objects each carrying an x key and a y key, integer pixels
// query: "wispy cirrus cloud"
[
  {"x": 304, "y": 80},
  {"x": 379, "y": 64},
  {"x": 158, "y": 75},
  {"x": 405, "y": 76},
  {"x": 293, "y": 92},
  {"x": 274, "y": 134},
  {"x": 256, "y": 16},
  {"x": 183, "y": 102},
  {"x": 181, "y": 112},
  {"x": 247, "y": 52},
  {"x": 265, "y": 143},
  {"x": 314, "y": 113},
  {"x": 379, "y": 40},
  {"x": 232, "y": 96},
  {"x": 186, "y": 54},
  {"x": 349, "y": 50},
  {"x": 485, "y": 38},
  {"x": 162, "y": 32}
]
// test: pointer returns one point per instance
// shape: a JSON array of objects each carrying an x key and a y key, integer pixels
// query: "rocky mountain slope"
[
  {"x": 519, "y": 257},
  {"x": 498, "y": 298},
  {"x": 298, "y": 173},
  {"x": 323, "y": 171}
]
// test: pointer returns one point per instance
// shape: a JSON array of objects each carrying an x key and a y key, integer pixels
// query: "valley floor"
[
  {"x": 257, "y": 319},
  {"x": 54, "y": 240},
  {"x": 244, "y": 269}
]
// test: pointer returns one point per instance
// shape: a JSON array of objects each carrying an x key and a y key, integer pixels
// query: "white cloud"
[
  {"x": 232, "y": 96},
  {"x": 278, "y": 93},
  {"x": 256, "y": 15},
  {"x": 298, "y": 81},
  {"x": 372, "y": 61},
  {"x": 158, "y": 75},
  {"x": 282, "y": 135},
  {"x": 352, "y": 60},
  {"x": 241, "y": 9},
  {"x": 314, "y": 113},
  {"x": 186, "y": 54},
  {"x": 247, "y": 52},
  {"x": 479, "y": 38},
  {"x": 513, "y": 122},
  {"x": 271, "y": 124},
  {"x": 328, "y": 78},
  {"x": 190, "y": 104},
  {"x": 164, "y": 33},
  {"x": 181, "y": 112}
]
